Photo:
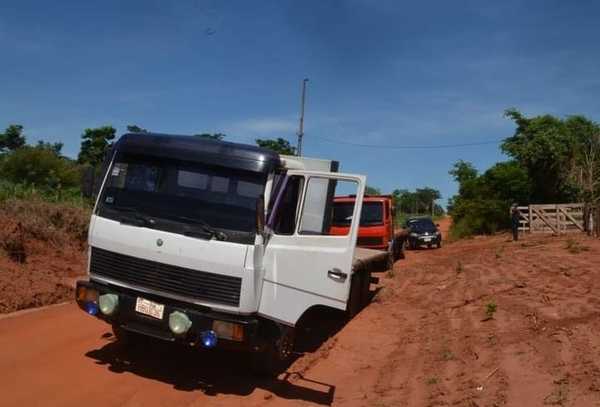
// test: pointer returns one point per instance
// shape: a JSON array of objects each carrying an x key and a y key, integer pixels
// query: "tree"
[
  {"x": 94, "y": 144},
  {"x": 279, "y": 145},
  {"x": 585, "y": 170},
  {"x": 426, "y": 198},
  {"x": 546, "y": 147},
  {"x": 213, "y": 136},
  {"x": 12, "y": 138},
  {"x": 420, "y": 201},
  {"x": 463, "y": 171},
  {"x": 133, "y": 128},
  {"x": 369, "y": 190},
  {"x": 56, "y": 147}
]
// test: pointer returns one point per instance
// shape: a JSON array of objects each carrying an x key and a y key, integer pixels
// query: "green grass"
[
  {"x": 9, "y": 190},
  {"x": 490, "y": 309}
]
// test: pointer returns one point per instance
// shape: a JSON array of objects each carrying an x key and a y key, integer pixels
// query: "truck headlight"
[
  {"x": 414, "y": 235},
  {"x": 229, "y": 330},
  {"x": 179, "y": 323},
  {"x": 108, "y": 303}
]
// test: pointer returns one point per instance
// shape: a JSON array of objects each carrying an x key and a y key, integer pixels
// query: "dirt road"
[{"x": 426, "y": 340}]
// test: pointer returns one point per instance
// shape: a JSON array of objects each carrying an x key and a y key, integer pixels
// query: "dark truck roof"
[{"x": 197, "y": 149}]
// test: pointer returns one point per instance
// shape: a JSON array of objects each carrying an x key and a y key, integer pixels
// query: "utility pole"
[{"x": 301, "y": 128}]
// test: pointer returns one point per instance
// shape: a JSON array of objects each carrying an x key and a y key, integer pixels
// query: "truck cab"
[
  {"x": 377, "y": 228},
  {"x": 213, "y": 243}
]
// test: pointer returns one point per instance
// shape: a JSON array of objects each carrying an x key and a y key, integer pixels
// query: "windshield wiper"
[
  {"x": 203, "y": 225},
  {"x": 136, "y": 216}
]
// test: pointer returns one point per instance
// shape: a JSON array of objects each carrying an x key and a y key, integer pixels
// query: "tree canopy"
[
  {"x": 419, "y": 201},
  {"x": 12, "y": 138},
  {"x": 94, "y": 144},
  {"x": 369, "y": 190},
  {"x": 279, "y": 145},
  {"x": 211, "y": 136},
  {"x": 551, "y": 149},
  {"x": 133, "y": 128}
]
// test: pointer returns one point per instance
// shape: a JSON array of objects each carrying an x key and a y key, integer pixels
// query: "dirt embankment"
[{"x": 42, "y": 249}]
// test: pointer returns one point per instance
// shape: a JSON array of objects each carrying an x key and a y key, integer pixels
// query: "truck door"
[{"x": 304, "y": 265}]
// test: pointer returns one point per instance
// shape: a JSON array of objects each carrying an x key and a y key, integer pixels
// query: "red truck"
[{"x": 377, "y": 229}]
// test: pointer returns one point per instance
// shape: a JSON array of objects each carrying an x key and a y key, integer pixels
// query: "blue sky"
[{"x": 382, "y": 72}]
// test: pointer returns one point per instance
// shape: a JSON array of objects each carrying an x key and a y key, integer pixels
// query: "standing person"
[{"x": 515, "y": 216}]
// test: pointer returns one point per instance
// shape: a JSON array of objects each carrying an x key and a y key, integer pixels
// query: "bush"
[
  {"x": 483, "y": 202},
  {"x": 39, "y": 167}
]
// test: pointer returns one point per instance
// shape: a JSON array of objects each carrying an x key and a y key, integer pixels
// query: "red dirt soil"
[
  {"x": 46, "y": 276},
  {"x": 425, "y": 340}
]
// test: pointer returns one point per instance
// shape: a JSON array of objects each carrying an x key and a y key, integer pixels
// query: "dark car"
[{"x": 423, "y": 232}]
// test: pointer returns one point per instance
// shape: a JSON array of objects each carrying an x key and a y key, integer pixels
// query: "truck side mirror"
[
  {"x": 260, "y": 215},
  {"x": 88, "y": 178}
]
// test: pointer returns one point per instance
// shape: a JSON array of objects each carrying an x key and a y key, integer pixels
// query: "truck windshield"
[
  {"x": 182, "y": 193},
  {"x": 372, "y": 213}
]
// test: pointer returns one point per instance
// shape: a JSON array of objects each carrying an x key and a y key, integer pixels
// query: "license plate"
[
  {"x": 427, "y": 239},
  {"x": 147, "y": 307}
]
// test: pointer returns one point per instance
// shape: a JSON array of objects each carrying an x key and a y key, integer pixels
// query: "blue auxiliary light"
[
  {"x": 208, "y": 339},
  {"x": 91, "y": 308}
]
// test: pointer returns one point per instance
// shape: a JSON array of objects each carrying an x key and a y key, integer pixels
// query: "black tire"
[
  {"x": 276, "y": 356},
  {"x": 124, "y": 337},
  {"x": 355, "y": 299},
  {"x": 400, "y": 248},
  {"x": 389, "y": 261},
  {"x": 365, "y": 295}
]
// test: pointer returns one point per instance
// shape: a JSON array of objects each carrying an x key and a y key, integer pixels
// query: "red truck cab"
[{"x": 377, "y": 230}]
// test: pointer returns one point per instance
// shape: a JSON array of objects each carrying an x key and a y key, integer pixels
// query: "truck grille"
[
  {"x": 166, "y": 278},
  {"x": 369, "y": 241}
]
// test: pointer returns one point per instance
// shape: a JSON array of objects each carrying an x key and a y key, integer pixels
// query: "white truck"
[{"x": 220, "y": 244}]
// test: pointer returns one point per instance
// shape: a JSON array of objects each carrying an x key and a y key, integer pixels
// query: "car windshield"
[
  {"x": 372, "y": 213},
  {"x": 184, "y": 192},
  {"x": 421, "y": 224}
]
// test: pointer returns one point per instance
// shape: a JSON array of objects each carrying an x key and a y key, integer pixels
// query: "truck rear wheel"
[
  {"x": 365, "y": 297},
  {"x": 398, "y": 250}
]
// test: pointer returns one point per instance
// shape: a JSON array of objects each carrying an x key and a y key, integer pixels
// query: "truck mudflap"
[{"x": 168, "y": 320}]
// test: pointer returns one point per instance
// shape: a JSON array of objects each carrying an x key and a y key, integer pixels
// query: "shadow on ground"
[{"x": 220, "y": 372}]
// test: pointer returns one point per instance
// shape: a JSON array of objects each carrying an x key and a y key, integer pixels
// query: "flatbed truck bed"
[{"x": 369, "y": 260}]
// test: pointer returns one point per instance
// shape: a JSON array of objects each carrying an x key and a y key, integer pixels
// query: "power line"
[{"x": 407, "y": 147}]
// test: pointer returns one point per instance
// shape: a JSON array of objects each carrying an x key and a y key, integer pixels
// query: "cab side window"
[{"x": 285, "y": 218}]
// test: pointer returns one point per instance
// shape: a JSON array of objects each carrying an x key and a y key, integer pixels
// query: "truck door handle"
[{"x": 337, "y": 274}]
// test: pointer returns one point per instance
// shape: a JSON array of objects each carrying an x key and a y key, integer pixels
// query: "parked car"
[{"x": 423, "y": 232}]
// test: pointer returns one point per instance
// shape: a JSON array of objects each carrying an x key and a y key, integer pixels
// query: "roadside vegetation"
[{"x": 552, "y": 160}]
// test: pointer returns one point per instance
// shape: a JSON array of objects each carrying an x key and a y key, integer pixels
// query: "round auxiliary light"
[
  {"x": 208, "y": 339},
  {"x": 91, "y": 308},
  {"x": 179, "y": 323},
  {"x": 108, "y": 303}
]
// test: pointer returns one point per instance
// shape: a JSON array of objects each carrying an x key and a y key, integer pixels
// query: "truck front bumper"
[{"x": 202, "y": 319}]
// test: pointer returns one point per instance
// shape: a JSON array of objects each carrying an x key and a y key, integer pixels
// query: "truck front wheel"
[
  {"x": 125, "y": 337},
  {"x": 277, "y": 354}
]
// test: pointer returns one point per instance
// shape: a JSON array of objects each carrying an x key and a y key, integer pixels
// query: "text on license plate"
[
  {"x": 427, "y": 239},
  {"x": 147, "y": 307}
]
